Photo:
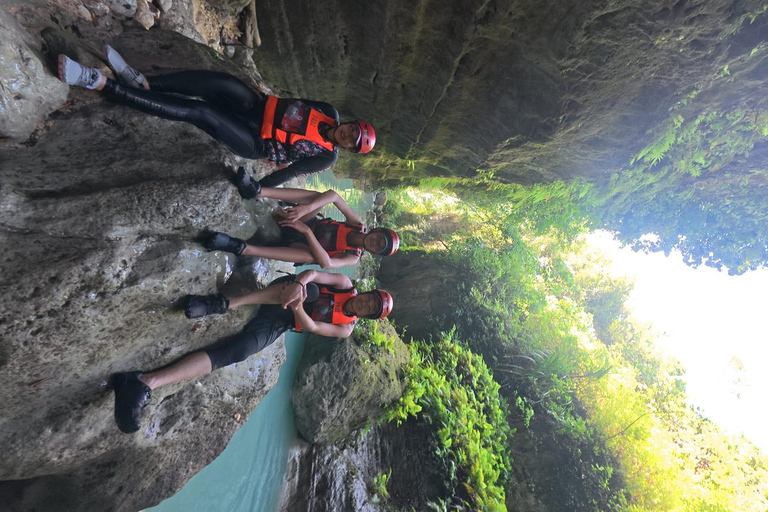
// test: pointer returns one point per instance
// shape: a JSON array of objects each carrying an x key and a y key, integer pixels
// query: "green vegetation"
[
  {"x": 371, "y": 339},
  {"x": 599, "y": 418},
  {"x": 693, "y": 186},
  {"x": 379, "y": 486},
  {"x": 452, "y": 389}
]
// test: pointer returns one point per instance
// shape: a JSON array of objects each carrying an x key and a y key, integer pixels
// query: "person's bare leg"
[
  {"x": 292, "y": 195},
  {"x": 194, "y": 365},
  {"x": 102, "y": 83},
  {"x": 269, "y": 295},
  {"x": 290, "y": 254}
]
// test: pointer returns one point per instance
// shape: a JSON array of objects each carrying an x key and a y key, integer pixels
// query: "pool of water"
[{"x": 248, "y": 475}]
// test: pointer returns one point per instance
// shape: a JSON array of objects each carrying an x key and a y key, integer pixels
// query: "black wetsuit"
[{"x": 229, "y": 111}]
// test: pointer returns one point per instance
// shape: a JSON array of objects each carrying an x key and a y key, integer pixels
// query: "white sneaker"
[
  {"x": 73, "y": 73},
  {"x": 125, "y": 73}
]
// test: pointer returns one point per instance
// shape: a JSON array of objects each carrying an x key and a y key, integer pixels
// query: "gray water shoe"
[
  {"x": 72, "y": 73},
  {"x": 125, "y": 73}
]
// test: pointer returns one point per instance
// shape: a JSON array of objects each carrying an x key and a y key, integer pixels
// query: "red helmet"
[
  {"x": 367, "y": 138},
  {"x": 386, "y": 304},
  {"x": 392, "y": 238}
]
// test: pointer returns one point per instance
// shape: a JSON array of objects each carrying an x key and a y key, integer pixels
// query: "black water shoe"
[
  {"x": 245, "y": 185},
  {"x": 201, "y": 305},
  {"x": 215, "y": 241},
  {"x": 131, "y": 395}
]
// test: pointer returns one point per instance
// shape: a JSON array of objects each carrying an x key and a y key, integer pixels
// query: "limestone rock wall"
[
  {"x": 98, "y": 211},
  {"x": 420, "y": 287},
  {"x": 535, "y": 91},
  {"x": 331, "y": 478},
  {"x": 29, "y": 92}
]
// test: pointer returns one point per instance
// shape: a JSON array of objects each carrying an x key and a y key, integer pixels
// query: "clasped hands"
[
  {"x": 291, "y": 217},
  {"x": 293, "y": 295}
]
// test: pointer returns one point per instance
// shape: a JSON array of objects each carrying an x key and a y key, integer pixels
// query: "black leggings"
[
  {"x": 231, "y": 112},
  {"x": 260, "y": 332}
]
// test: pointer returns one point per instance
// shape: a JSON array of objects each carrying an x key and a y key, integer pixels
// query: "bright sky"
[{"x": 705, "y": 318}]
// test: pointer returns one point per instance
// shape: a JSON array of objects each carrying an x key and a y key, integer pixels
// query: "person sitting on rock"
[
  {"x": 318, "y": 302},
  {"x": 301, "y": 136},
  {"x": 305, "y": 239}
]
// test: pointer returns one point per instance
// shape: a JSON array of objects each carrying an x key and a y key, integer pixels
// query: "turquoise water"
[{"x": 248, "y": 475}]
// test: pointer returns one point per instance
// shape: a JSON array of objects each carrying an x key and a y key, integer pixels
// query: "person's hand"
[
  {"x": 293, "y": 295},
  {"x": 298, "y": 225},
  {"x": 296, "y": 212}
]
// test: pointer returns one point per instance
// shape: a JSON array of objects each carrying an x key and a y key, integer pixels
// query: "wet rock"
[
  {"x": 230, "y": 7},
  {"x": 420, "y": 286},
  {"x": 339, "y": 387},
  {"x": 125, "y": 8},
  {"x": 164, "y": 5},
  {"x": 28, "y": 91},
  {"x": 555, "y": 91},
  {"x": 97, "y": 220},
  {"x": 330, "y": 478},
  {"x": 145, "y": 14}
]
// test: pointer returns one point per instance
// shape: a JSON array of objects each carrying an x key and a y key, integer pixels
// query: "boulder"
[
  {"x": 339, "y": 387},
  {"x": 126, "y": 8},
  {"x": 28, "y": 91}
]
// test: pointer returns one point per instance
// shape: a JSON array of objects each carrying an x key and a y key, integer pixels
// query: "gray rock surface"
[
  {"x": 331, "y": 478},
  {"x": 229, "y": 7},
  {"x": 534, "y": 91},
  {"x": 97, "y": 217},
  {"x": 181, "y": 19},
  {"x": 420, "y": 286},
  {"x": 28, "y": 91},
  {"x": 125, "y": 8},
  {"x": 339, "y": 387}
]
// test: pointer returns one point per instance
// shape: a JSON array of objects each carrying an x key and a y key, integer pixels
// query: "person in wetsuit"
[
  {"x": 305, "y": 239},
  {"x": 318, "y": 302},
  {"x": 301, "y": 136}
]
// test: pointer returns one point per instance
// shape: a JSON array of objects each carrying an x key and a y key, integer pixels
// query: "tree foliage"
[
  {"x": 700, "y": 186},
  {"x": 605, "y": 412}
]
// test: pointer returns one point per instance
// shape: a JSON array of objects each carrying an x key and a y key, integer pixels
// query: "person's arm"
[
  {"x": 320, "y": 255},
  {"x": 321, "y": 328},
  {"x": 293, "y": 293},
  {"x": 310, "y": 204},
  {"x": 339, "y": 281},
  {"x": 305, "y": 166}
]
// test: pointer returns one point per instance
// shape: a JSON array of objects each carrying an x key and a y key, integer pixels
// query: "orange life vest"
[
  {"x": 332, "y": 236},
  {"x": 294, "y": 121},
  {"x": 328, "y": 307}
]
